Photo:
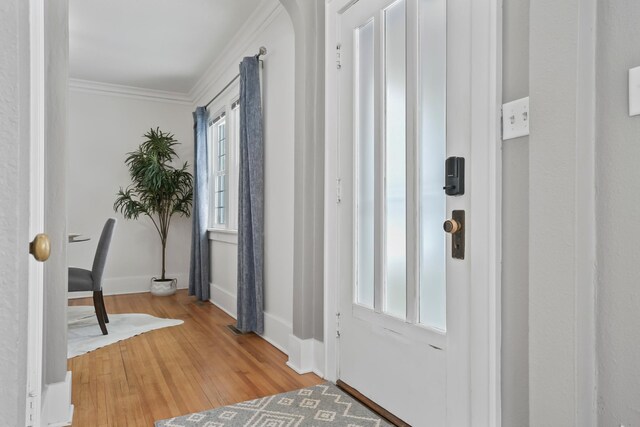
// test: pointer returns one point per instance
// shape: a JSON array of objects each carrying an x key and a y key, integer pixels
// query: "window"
[
  {"x": 400, "y": 268},
  {"x": 220, "y": 191},
  {"x": 224, "y": 133},
  {"x": 395, "y": 161}
]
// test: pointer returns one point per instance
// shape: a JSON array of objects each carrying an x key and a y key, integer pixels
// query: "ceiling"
[{"x": 152, "y": 44}]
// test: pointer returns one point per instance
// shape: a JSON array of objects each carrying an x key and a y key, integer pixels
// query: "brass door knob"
[
  {"x": 40, "y": 248},
  {"x": 452, "y": 226}
]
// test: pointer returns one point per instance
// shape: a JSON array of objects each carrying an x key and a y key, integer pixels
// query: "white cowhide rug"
[{"x": 85, "y": 334}]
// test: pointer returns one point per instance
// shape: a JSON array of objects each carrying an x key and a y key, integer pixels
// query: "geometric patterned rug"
[{"x": 320, "y": 405}]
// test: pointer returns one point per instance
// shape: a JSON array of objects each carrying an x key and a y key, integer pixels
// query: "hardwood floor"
[{"x": 175, "y": 371}]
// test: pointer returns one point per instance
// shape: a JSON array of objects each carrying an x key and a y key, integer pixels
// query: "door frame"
[
  {"x": 484, "y": 398},
  {"x": 35, "y": 330}
]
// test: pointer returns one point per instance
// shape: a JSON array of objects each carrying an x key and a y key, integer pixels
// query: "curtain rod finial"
[{"x": 262, "y": 51}]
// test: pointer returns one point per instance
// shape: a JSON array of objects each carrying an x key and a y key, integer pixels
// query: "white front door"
[{"x": 409, "y": 313}]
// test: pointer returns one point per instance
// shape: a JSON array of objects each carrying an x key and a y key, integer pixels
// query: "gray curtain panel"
[
  {"x": 199, "y": 269},
  {"x": 251, "y": 201}
]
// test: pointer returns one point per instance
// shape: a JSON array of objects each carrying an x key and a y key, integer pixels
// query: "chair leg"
[
  {"x": 99, "y": 306},
  {"x": 104, "y": 308}
]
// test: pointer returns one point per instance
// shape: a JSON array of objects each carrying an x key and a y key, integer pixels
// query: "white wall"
[
  {"x": 618, "y": 210},
  {"x": 308, "y": 19},
  {"x": 561, "y": 213},
  {"x": 276, "y": 34},
  {"x": 14, "y": 208},
  {"x": 102, "y": 129}
]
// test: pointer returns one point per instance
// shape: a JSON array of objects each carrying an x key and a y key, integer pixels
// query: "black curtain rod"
[{"x": 261, "y": 52}]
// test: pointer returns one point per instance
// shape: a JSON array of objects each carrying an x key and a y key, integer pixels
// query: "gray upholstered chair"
[{"x": 81, "y": 280}]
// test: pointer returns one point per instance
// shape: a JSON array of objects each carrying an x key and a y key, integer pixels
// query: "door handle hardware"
[
  {"x": 40, "y": 247},
  {"x": 452, "y": 226},
  {"x": 456, "y": 227}
]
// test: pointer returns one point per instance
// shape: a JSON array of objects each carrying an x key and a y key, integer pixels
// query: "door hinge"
[
  {"x": 30, "y": 410},
  {"x": 338, "y": 190},
  {"x": 337, "y": 325},
  {"x": 338, "y": 64}
]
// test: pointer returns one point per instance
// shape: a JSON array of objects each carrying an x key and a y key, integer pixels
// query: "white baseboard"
[
  {"x": 276, "y": 329},
  {"x": 224, "y": 300},
  {"x": 306, "y": 356},
  {"x": 318, "y": 358},
  {"x": 57, "y": 409},
  {"x": 276, "y": 332},
  {"x": 130, "y": 285}
]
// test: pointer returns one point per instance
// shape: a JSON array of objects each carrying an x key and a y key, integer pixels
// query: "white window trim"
[
  {"x": 222, "y": 235},
  {"x": 234, "y": 163},
  {"x": 223, "y": 106}
]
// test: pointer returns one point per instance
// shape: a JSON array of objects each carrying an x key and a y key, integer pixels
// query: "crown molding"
[
  {"x": 88, "y": 86},
  {"x": 257, "y": 22},
  {"x": 250, "y": 30}
]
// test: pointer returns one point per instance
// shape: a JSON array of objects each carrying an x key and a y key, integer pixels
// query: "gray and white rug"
[
  {"x": 320, "y": 405},
  {"x": 85, "y": 335}
]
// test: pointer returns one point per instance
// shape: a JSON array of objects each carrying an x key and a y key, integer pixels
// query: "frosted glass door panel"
[
  {"x": 365, "y": 163},
  {"x": 382, "y": 171},
  {"x": 395, "y": 160},
  {"x": 432, "y": 151}
]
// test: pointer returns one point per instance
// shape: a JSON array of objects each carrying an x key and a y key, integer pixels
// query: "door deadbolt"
[
  {"x": 454, "y": 176},
  {"x": 40, "y": 248},
  {"x": 455, "y": 227}
]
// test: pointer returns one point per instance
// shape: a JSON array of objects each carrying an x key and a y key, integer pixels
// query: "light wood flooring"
[{"x": 174, "y": 371}]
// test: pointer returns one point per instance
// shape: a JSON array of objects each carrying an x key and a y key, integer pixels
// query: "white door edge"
[
  {"x": 332, "y": 190},
  {"x": 485, "y": 360},
  {"x": 36, "y": 208}
]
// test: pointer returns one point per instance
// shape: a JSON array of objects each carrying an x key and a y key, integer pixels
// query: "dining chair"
[{"x": 81, "y": 280}]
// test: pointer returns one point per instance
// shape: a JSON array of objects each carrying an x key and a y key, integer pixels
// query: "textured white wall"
[
  {"x": 278, "y": 105},
  {"x": 14, "y": 208},
  {"x": 553, "y": 153},
  {"x": 618, "y": 210},
  {"x": 102, "y": 130},
  {"x": 278, "y": 102}
]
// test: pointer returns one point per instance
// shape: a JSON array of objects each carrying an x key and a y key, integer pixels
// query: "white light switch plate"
[
  {"x": 515, "y": 119},
  {"x": 634, "y": 91}
]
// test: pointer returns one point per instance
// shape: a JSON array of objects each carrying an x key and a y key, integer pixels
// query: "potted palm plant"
[{"x": 158, "y": 190}]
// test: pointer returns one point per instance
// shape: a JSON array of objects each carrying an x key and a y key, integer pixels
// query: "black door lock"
[{"x": 454, "y": 176}]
